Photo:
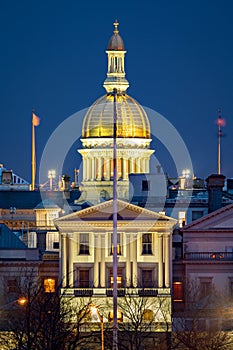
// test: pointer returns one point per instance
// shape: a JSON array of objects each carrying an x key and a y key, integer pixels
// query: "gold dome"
[{"x": 132, "y": 120}]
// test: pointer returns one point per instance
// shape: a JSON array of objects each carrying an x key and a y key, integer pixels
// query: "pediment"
[
  {"x": 125, "y": 212},
  {"x": 217, "y": 220}
]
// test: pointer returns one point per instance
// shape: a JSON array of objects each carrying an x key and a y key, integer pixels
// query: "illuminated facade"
[{"x": 133, "y": 133}]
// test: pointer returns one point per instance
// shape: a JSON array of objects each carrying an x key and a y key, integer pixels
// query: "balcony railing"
[
  {"x": 211, "y": 256},
  {"x": 108, "y": 292}
]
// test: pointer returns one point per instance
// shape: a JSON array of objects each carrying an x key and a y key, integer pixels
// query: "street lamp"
[
  {"x": 51, "y": 176},
  {"x": 95, "y": 317},
  {"x": 12, "y": 212}
]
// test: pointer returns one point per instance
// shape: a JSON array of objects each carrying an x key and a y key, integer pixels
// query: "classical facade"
[
  {"x": 133, "y": 133},
  {"x": 144, "y": 259}
]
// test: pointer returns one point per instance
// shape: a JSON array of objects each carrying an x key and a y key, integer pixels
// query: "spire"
[
  {"x": 116, "y": 24},
  {"x": 116, "y": 63}
]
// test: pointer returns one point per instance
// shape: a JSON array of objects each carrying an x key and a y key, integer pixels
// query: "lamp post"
[
  {"x": 96, "y": 315},
  {"x": 51, "y": 176},
  {"x": 12, "y": 212}
]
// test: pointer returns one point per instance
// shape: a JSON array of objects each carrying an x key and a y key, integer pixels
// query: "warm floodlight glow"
[{"x": 22, "y": 301}]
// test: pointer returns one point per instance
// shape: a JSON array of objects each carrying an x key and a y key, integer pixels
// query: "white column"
[
  {"x": 147, "y": 165},
  {"x": 134, "y": 259},
  {"x": 87, "y": 169},
  {"x": 107, "y": 164},
  {"x": 131, "y": 166},
  {"x": 138, "y": 166},
  {"x": 70, "y": 261},
  {"x": 125, "y": 169},
  {"x": 127, "y": 267},
  {"x": 99, "y": 169},
  {"x": 96, "y": 259},
  {"x": 84, "y": 169},
  {"x": 93, "y": 168},
  {"x": 160, "y": 267},
  {"x": 167, "y": 261},
  {"x": 63, "y": 261},
  {"x": 143, "y": 165},
  {"x": 102, "y": 265}
]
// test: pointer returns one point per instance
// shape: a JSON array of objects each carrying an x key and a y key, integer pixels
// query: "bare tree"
[
  {"x": 145, "y": 323},
  {"x": 198, "y": 326},
  {"x": 46, "y": 320}
]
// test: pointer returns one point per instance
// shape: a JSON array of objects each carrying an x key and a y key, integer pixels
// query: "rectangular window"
[
  {"x": 49, "y": 285},
  {"x": 205, "y": 286},
  {"x": 177, "y": 291},
  {"x": 197, "y": 214},
  {"x": 84, "y": 244},
  {"x": 55, "y": 245},
  {"x": 12, "y": 286},
  {"x": 147, "y": 243},
  {"x": 119, "y": 277},
  {"x": 145, "y": 185},
  {"x": 118, "y": 244},
  {"x": 147, "y": 278},
  {"x": 84, "y": 277},
  {"x": 181, "y": 218}
]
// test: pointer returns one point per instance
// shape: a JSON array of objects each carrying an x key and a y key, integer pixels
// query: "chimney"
[{"x": 215, "y": 183}]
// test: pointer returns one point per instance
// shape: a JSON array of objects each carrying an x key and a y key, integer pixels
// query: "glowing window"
[
  {"x": 148, "y": 315},
  {"x": 182, "y": 218},
  {"x": 119, "y": 281},
  {"x": 49, "y": 285},
  {"x": 119, "y": 316},
  {"x": 178, "y": 291}
]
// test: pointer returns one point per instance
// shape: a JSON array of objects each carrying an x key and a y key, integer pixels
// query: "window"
[
  {"x": 197, "y": 214},
  {"x": 145, "y": 185},
  {"x": 205, "y": 286},
  {"x": 119, "y": 281},
  {"x": 118, "y": 244},
  {"x": 148, "y": 315},
  {"x": 32, "y": 240},
  {"x": 119, "y": 316},
  {"x": 51, "y": 239},
  {"x": 181, "y": 218},
  {"x": 55, "y": 245},
  {"x": 84, "y": 278},
  {"x": 120, "y": 272},
  {"x": 49, "y": 285},
  {"x": 147, "y": 243},
  {"x": 12, "y": 286},
  {"x": 178, "y": 291},
  {"x": 84, "y": 244},
  {"x": 146, "y": 278}
]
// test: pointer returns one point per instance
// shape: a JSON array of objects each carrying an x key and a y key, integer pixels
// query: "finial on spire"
[{"x": 116, "y": 24}]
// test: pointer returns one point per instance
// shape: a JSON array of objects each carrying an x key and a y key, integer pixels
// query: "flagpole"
[
  {"x": 219, "y": 142},
  {"x": 33, "y": 155},
  {"x": 114, "y": 238}
]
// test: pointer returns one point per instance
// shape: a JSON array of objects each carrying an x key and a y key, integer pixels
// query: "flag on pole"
[{"x": 35, "y": 120}]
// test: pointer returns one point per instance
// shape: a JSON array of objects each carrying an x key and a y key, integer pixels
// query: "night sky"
[{"x": 179, "y": 62}]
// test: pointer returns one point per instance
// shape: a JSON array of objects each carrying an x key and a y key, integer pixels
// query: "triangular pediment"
[
  {"x": 104, "y": 212},
  {"x": 217, "y": 220}
]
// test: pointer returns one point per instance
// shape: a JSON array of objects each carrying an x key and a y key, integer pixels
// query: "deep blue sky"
[{"x": 179, "y": 62}]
